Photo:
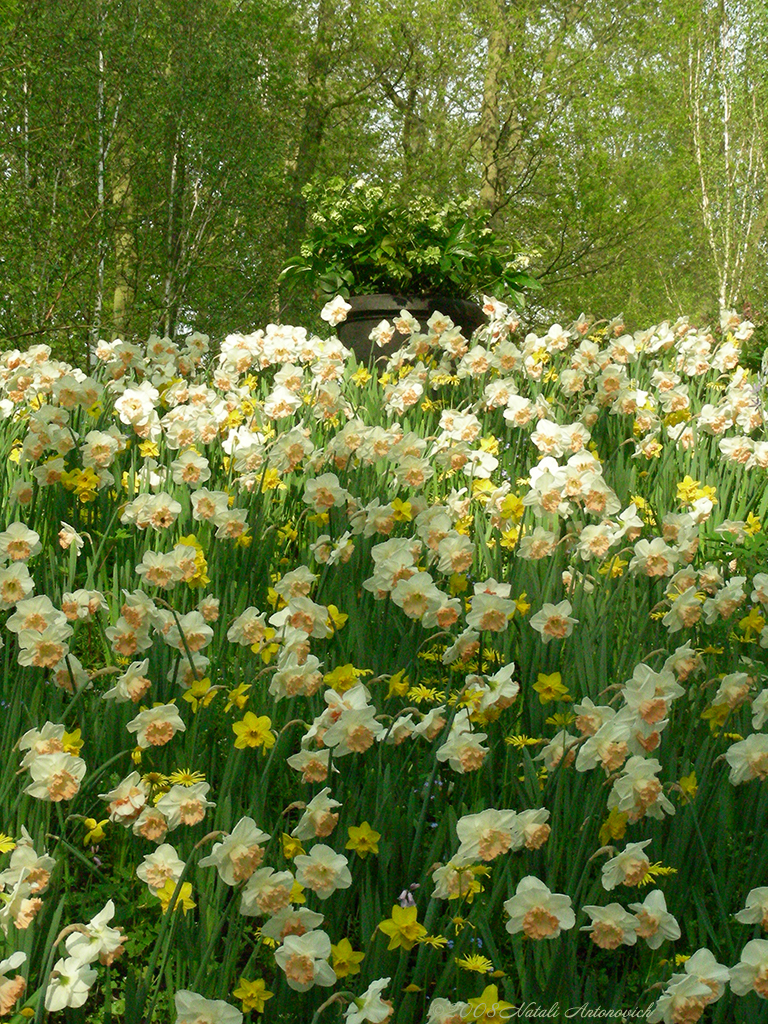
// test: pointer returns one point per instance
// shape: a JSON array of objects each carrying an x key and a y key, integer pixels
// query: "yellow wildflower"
[
  {"x": 521, "y": 741},
  {"x": 420, "y": 693},
  {"x": 186, "y": 777},
  {"x": 561, "y": 720},
  {"x": 657, "y": 870},
  {"x": 474, "y": 962},
  {"x": 6, "y": 843},
  {"x": 434, "y": 941}
]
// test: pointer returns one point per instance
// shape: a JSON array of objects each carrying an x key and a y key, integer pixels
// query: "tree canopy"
[{"x": 154, "y": 156}]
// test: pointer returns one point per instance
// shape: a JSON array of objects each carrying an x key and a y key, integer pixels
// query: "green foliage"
[{"x": 366, "y": 239}]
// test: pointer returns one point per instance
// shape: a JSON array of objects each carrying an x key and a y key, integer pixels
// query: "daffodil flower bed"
[{"x": 421, "y": 694}]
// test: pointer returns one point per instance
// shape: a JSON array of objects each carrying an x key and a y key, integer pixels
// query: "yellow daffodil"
[
  {"x": 551, "y": 687},
  {"x": 752, "y": 525},
  {"x": 402, "y": 929},
  {"x": 689, "y": 786},
  {"x": 200, "y": 693},
  {"x": 254, "y": 731},
  {"x": 344, "y": 677},
  {"x": 252, "y": 994},
  {"x": 346, "y": 960},
  {"x": 363, "y": 839},
  {"x": 338, "y": 619},
  {"x": 271, "y": 481},
  {"x": 457, "y": 584},
  {"x": 512, "y": 507},
  {"x": 614, "y": 826},
  {"x": 401, "y": 511},
  {"x": 291, "y": 847},
  {"x": 72, "y": 742},
  {"x": 238, "y": 697},
  {"x": 94, "y": 831},
  {"x": 752, "y": 623},
  {"x": 398, "y": 684},
  {"x": 361, "y": 376},
  {"x": 487, "y": 1008},
  {"x": 716, "y": 716},
  {"x": 183, "y": 899}
]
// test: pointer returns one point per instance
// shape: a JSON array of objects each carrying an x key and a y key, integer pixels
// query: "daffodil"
[
  {"x": 345, "y": 959},
  {"x": 398, "y": 684},
  {"x": 488, "y": 1008},
  {"x": 402, "y": 929},
  {"x": 252, "y": 994},
  {"x": 551, "y": 687},
  {"x": 291, "y": 847},
  {"x": 237, "y": 697},
  {"x": 94, "y": 832},
  {"x": 401, "y": 511},
  {"x": 363, "y": 839},
  {"x": 689, "y": 787},
  {"x": 72, "y": 742},
  {"x": 254, "y": 731},
  {"x": 183, "y": 899}
]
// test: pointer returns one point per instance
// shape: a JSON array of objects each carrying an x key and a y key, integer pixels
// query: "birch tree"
[{"x": 726, "y": 96}]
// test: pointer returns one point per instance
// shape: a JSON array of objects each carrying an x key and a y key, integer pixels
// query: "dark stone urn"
[{"x": 369, "y": 310}]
